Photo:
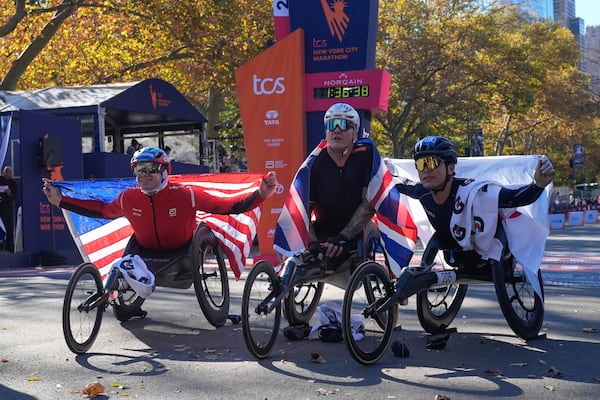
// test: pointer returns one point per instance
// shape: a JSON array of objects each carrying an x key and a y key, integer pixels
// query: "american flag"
[
  {"x": 397, "y": 229},
  {"x": 102, "y": 241}
]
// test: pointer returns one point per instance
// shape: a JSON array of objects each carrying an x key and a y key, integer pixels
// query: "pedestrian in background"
[
  {"x": 8, "y": 193},
  {"x": 135, "y": 146}
]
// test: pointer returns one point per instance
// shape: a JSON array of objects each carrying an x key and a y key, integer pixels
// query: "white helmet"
[{"x": 344, "y": 111}]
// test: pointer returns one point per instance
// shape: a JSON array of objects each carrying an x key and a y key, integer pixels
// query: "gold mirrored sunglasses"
[
  {"x": 147, "y": 168},
  {"x": 429, "y": 162}
]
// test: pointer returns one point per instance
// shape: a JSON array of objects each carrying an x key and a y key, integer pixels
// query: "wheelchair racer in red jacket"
[{"x": 162, "y": 214}]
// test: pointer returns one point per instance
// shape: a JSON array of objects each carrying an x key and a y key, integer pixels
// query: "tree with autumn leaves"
[
  {"x": 195, "y": 45},
  {"x": 455, "y": 67}
]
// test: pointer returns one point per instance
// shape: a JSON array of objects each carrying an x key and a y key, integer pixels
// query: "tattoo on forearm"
[{"x": 359, "y": 220}]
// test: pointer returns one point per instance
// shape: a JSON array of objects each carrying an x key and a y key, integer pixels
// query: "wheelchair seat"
[
  {"x": 171, "y": 268},
  {"x": 460, "y": 258}
]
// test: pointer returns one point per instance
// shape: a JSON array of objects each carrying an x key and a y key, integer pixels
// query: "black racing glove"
[
  {"x": 339, "y": 240},
  {"x": 314, "y": 248}
]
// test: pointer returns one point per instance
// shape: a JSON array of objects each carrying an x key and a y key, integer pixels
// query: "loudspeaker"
[{"x": 50, "y": 153}]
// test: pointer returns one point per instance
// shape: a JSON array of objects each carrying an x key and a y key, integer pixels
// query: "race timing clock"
[
  {"x": 341, "y": 92},
  {"x": 362, "y": 89}
]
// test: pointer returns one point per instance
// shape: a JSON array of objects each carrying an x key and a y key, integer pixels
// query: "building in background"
[
  {"x": 565, "y": 15},
  {"x": 564, "y": 12},
  {"x": 591, "y": 56},
  {"x": 539, "y": 9}
]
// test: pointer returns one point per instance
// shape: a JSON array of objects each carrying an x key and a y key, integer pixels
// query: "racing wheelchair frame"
[
  {"x": 87, "y": 296},
  {"x": 265, "y": 295},
  {"x": 440, "y": 291}
]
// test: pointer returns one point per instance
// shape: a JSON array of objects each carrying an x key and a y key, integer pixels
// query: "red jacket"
[{"x": 167, "y": 219}]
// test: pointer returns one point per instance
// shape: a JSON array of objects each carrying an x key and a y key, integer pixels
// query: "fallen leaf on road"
[
  {"x": 550, "y": 388},
  {"x": 492, "y": 372},
  {"x": 326, "y": 392},
  {"x": 554, "y": 373},
  {"x": 4, "y": 360},
  {"x": 441, "y": 397},
  {"x": 317, "y": 358},
  {"x": 518, "y": 364},
  {"x": 33, "y": 378},
  {"x": 590, "y": 330},
  {"x": 93, "y": 389}
]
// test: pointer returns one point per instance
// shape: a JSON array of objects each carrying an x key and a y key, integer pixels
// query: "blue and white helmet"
[
  {"x": 151, "y": 154},
  {"x": 344, "y": 111}
]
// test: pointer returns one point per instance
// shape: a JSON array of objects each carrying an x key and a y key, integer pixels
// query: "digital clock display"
[{"x": 341, "y": 92}]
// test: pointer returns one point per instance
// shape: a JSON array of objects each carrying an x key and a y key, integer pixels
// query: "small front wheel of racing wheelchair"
[
  {"x": 368, "y": 333},
  {"x": 209, "y": 272},
  {"x": 83, "y": 307},
  {"x": 261, "y": 309},
  {"x": 128, "y": 304},
  {"x": 437, "y": 306},
  {"x": 520, "y": 303}
]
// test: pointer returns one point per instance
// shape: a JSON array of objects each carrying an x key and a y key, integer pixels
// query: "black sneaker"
[
  {"x": 124, "y": 310},
  {"x": 296, "y": 332}
]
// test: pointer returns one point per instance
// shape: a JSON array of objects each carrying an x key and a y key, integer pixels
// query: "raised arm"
[{"x": 52, "y": 192}]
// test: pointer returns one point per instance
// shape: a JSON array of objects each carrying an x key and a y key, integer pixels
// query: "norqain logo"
[{"x": 267, "y": 85}]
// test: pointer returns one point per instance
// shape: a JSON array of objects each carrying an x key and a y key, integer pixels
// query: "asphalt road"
[{"x": 176, "y": 354}]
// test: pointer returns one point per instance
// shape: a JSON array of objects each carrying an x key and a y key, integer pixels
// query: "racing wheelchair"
[
  {"x": 200, "y": 262},
  {"x": 440, "y": 291},
  {"x": 265, "y": 295}
]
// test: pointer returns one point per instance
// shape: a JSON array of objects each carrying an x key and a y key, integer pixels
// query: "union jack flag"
[
  {"x": 396, "y": 226},
  {"x": 102, "y": 241}
]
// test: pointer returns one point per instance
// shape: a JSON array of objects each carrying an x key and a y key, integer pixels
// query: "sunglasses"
[
  {"x": 147, "y": 168},
  {"x": 429, "y": 162},
  {"x": 342, "y": 124}
]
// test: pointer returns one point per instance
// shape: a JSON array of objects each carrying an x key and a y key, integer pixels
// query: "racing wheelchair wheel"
[
  {"x": 80, "y": 325},
  {"x": 521, "y": 306},
  {"x": 260, "y": 327},
  {"x": 437, "y": 306},
  {"x": 302, "y": 301},
  {"x": 209, "y": 273},
  {"x": 367, "y": 340}
]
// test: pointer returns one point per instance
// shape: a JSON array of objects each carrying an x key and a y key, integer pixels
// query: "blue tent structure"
[{"x": 80, "y": 132}]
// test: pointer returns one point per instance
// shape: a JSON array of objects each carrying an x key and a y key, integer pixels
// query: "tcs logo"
[{"x": 267, "y": 85}]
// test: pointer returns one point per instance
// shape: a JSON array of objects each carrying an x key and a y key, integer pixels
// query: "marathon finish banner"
[
  {"x": 340, "y": 35},
  {"x": 271, "y": 98}
]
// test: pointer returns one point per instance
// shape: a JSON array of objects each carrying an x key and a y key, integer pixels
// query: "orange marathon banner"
[{"x": 271, "y": 98}]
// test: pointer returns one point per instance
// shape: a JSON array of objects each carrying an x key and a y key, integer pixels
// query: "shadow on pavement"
[{"x": 7, "y": 393}]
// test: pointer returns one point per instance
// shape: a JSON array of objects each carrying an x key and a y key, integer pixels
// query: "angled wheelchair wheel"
[
  {"x": 368, "y": 335},
  {"x": 80, "y": 321},
  {"x": 437, "y": 306},
  {"x": 259, "y": 325},
  {"x": 521, "y": 306},
  {"x": 301, "y": 302},
  {"x": 209, "y": 273}
]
